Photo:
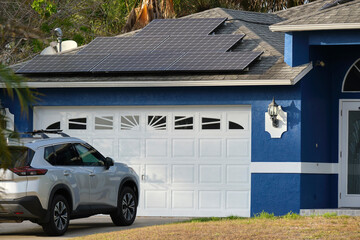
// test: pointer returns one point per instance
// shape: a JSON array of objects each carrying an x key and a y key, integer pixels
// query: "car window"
[
  {"x": 20, "y": 156},
  {"x": 49, "y": 155},
  {"x": 66, "y": 155},
  {"x": 89, "y": 156}
]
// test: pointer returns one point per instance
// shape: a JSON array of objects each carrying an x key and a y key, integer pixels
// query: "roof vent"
[{"x": 333, "y": 4}]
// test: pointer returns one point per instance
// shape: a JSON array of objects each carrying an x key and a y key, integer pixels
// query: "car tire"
[
  {"x": 125, "y": 213},
  {"x": 59, "y": 217}
]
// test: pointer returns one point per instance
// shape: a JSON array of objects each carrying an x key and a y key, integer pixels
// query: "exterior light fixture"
[
  {"x": 3, "y": 116},
  {"x": 275, "y": 120},
  {"x": 273, "y": 111},
  {"x": 59, "y": 36}
]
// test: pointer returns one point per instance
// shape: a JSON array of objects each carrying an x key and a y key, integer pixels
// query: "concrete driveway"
[{"x": 79, "y": 227}]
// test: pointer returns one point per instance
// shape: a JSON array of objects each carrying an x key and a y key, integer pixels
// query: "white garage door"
[{"x": 193, "y": 160}]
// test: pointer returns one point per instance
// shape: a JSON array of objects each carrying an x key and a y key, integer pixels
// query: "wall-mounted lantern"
[
  {"x": 273, "y": 111},
  {"x": 275, "y": 120}
]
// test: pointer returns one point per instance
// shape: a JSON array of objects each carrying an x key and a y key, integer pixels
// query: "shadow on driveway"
[{"x": 78, "y": 227}]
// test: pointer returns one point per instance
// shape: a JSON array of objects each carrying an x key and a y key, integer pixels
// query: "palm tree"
[{"x": 13, "y": 85}]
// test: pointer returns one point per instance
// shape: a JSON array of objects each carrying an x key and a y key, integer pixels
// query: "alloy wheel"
[
  {"x": 60, "y": 215},
  {"x": 128, "y": 206}
]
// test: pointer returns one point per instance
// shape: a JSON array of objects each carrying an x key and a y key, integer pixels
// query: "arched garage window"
[{"x": 352, "y": 78}]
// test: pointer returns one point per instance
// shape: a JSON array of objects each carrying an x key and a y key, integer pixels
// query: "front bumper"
[{"x": 25, "y": 208}]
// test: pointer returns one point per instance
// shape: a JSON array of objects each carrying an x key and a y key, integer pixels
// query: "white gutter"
[
  {"x": 314, "y": 27},
  {"x": 203, "y": 83},
  {"x": 303, "y": 73}
]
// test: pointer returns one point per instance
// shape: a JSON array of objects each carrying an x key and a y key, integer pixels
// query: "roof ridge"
[
  {"x": 319, "y": 12},
  {"x": 299, "y": 6}
]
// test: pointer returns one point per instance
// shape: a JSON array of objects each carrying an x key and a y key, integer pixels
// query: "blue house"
[{"x": 203, "y": 132}]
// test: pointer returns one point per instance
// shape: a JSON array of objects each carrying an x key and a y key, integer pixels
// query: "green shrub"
[
  {"x": 291, "y": 215},
  {"x": 330, "y": 214},
  {"x": 264, "y": 215}
]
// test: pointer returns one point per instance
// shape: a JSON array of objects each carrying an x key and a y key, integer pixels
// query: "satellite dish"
[
  {"x": 54, "y": 46},
  {"x": 68, "y": 45},
  {"x": 48, "y": 51}
]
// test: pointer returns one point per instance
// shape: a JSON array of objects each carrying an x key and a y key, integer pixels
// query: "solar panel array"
[
  {"x": 171, "y": 45},
  {"x": 61, "y": 64},
  {"x": 114, "y": 45},
  {"x": 187, "y": 26},
  {"x": 208, "y": 62},
  {"x": 138, "y": 62},
  {"x": 204, "y": 44}
]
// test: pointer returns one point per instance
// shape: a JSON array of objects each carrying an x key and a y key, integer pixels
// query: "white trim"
[
  {"x": 190, "y": 83},
  {"x": 314, "y": 27},
  {"x": 303, "y": 73},
  {"x": 294, "y": 167},
  {"x": 347, "y": 72}
]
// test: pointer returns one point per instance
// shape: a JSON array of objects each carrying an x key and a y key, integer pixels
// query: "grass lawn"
[{"x": 264, "y": 226}]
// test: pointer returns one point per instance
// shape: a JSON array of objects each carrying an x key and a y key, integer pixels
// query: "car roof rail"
[{"x": 43, "y": 133}]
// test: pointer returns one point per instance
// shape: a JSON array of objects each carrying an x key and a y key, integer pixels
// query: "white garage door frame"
[{"x": 193, "y": 160}]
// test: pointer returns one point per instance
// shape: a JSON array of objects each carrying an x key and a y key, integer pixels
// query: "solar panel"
[
  {"x": 61, "y": 63},
  {"x": 114, "y": 45},
  {"x": 188, "y": 26},
  {"x": 138, "y": 62},
  {"x": 229, "y": 61},
  {"x": 211, "y": 43}
]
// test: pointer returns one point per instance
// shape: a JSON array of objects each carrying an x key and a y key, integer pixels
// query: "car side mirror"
[{"x": 108, "y": 163}]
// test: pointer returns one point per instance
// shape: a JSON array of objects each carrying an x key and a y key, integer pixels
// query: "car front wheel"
[
  {"x": 126, "y": 210},
  {"x": 59, "y": 217}
]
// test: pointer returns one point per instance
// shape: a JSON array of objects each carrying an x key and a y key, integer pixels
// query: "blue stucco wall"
[
  {"x": 318, "y": 191},
  {"x": 275, "y": 193}
]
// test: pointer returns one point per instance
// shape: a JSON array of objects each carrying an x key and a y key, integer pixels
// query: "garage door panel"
[
  {"x": 183, "y": 174},
  {"x": 183, "y": 148},
  {"x": 156, "y": 173},
  {"x": 237, "y": 148},
  {"x": 238, "y": 174},
  {"x": 210, "y": 174},
  {"x": 194, "y": 159},
  {"x": 237, "y": 200},
  {"x": 129, "y": 148},
  {"x": 210, "y": 199},
  {"x": 156, "y": 147},
  {"x": 183, "y": 200},
  {"x": 210, "y": 147},
  {"x": 155, "y": 199}
]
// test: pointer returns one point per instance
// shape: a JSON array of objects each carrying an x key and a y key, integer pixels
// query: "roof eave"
[
  {"x": 314, "y": 27},
  {"x": 184, "y": 83}
]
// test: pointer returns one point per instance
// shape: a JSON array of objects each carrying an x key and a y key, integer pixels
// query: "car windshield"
[{"x": 20, "y": 156}]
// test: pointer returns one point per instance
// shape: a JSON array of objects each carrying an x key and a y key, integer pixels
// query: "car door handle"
[
  {"x": 66, "y": 173},
  {"x": 92, "y": 174}
]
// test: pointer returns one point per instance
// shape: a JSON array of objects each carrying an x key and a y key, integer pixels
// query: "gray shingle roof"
[
  {"x": 270, "y": 70},
  {"x": 301, "y": 10},
  {"x": 342, "y": 16}
]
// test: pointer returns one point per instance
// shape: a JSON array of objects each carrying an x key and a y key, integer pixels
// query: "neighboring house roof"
[
  {"x": 339, "y": 17},
  {"x": 270, "y": 70}
]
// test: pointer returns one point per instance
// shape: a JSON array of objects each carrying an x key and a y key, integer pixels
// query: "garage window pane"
[
  {"x": 130, "y": 122},
  {"x": 184, "y": 123},
  {"x": 233, "y": 125},
  {"x": 210, "y": 123},
  {"x": 104, "y": 123},
  {"x": 54, "y": 126},
  {"x": 157, "y": 122},
  {"x": 77, "y": 123}
]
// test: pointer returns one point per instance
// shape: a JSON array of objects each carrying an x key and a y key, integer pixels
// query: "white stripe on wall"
[{"x": 294, "y": 167}]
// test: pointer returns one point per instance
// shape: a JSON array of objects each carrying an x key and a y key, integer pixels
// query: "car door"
[
  {"x": 102, "y": 180},
  {"x": 75, "y": 175}
]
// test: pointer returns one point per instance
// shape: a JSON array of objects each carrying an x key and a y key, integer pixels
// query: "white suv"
[{"x": 53, "y": 180}]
